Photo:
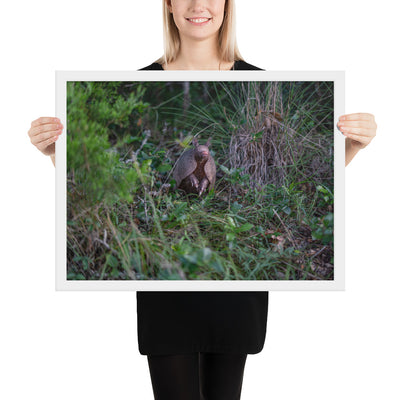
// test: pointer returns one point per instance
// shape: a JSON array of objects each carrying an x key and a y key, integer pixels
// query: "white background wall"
[{"x": 83, "y": 345}]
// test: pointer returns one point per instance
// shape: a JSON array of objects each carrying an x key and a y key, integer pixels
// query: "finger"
[
  {"x": 355, "y": 124},
  {"x": 45, "y": 120},
  {"x": 357, "y": 138},
  {"x": 43, "y": 145},
  {"x": 44, "y": 136},
  {"x": 44, "y": 128},
  {"x": 358, "y": 131},
  {"x": 356, "y": 117}
]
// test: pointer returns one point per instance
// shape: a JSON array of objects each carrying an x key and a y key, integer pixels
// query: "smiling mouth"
[{"x": 198, "y": 20}]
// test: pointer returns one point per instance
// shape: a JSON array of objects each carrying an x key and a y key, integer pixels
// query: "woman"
[{"x": 197, "y": 342}]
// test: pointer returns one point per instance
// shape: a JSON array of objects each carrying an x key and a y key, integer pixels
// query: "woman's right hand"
[{"x": 44, "y": 132}]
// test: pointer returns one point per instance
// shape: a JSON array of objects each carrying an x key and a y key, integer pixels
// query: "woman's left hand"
[{"x": 359, "y": 128}]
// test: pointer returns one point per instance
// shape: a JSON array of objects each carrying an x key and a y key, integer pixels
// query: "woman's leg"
[
  {"x": 175, "y": 377},
  {"x": 221, "y": 376}
]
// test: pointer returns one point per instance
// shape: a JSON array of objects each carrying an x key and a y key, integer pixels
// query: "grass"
[{"x": 270, "y": 215}]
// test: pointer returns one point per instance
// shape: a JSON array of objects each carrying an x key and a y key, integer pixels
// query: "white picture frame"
[{"x": 62, "y": 283}]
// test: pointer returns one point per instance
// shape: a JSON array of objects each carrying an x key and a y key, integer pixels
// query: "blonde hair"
[{"x": 226, "y": 39}]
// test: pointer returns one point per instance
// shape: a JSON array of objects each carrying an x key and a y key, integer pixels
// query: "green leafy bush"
[{"x": 100, "y": 113}]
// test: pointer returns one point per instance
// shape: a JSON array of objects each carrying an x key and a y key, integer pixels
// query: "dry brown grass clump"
[{"x": 271, "y": 144}]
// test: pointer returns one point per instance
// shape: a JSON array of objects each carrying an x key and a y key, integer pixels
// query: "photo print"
[{"x": 197, "y": 181}]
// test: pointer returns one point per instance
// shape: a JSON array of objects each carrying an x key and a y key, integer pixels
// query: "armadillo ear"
[
  {"x": 208, "y": 142},
  {"x": 195, "y": 142}
]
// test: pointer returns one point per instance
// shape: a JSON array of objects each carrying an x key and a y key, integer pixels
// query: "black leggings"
[{"x": 197, "y": 376}]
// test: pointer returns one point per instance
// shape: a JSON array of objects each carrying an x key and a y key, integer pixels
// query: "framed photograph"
[{"x": 200, "y": 180}]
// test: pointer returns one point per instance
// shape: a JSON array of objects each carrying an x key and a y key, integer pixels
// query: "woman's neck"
[{"x": 198, "y": 55}]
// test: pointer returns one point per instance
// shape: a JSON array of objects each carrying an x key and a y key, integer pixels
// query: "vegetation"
[{"x": 270, "y": 215}]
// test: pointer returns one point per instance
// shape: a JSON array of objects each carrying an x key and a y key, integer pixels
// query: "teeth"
[{"x": 198, "y": 20}]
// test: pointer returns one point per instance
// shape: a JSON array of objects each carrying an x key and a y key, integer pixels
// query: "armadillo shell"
[{"x": 186, "y": 165}]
